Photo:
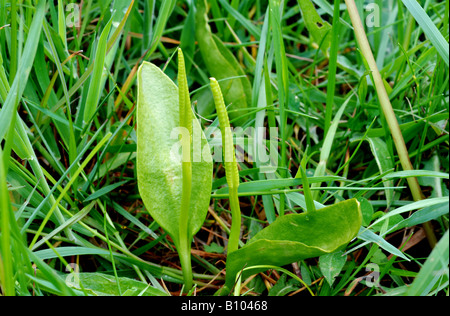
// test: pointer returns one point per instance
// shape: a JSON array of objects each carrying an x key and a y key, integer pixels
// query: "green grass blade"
[
  {"x": 413, "y": 206},
  {"x": 67, "y": 187},
  {"x": 370, "y": 237},
  {"x": 327, "y": 145},
  {"x": 6, "y": 216},
  {"x": 104, "y": 190},
  {"x": 249, "y": 26},
  {"x": 14, "y": 53},
  {"x": 149, "y": 13},
  {"x": 70, "y": 142},
  {"x": 335, "y": 36},
  {"x": 429, "y": 28},
  {"x": 165, "y": 11},
  {"x": 384, "y": 162},
  {"x": 260, "y": 100},
  {"x": 94, "y": 92},
  {"x": 275, "y": 12},
  {"x": 20, "y": 81},
  {"x": 77, "y": 217},
  {"x": 434, "y": 271}
]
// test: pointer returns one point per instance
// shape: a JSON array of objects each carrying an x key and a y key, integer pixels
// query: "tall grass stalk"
[{"x": 387, "y": 109}]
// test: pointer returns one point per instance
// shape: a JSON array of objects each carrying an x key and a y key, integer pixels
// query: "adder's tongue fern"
[
  {"x": 176, "y": 193},
  {"x": 186, "y": 169},
  {"x": 231, "y": 170}
]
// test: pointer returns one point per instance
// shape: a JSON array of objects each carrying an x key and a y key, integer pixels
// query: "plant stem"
[
  {"x": 184, "y": 252},
  {"x": 235, "y": 232},
  {"x": 386, "y": 107},
  {"x": 186, "y": 166}
]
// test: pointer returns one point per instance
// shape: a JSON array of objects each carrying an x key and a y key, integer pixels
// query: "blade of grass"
[
  {"x": 261, "y": 99},
  {"x": 310, "y": 207},
  {"x": 67, "y": 187},
  {"x": 434, "y": 271},
  {"x": 429, "y": 28},
  {"x": 20, "y": 81},
  {"x": 104, "y": 190},
  {"x": 267, "y": 186},
  {"x": 275, "y": 12},
  {"x": 48, "y": 274},
  {"x": 166, "y": 273},
  {"x": 370, "y": 237},
  {"x": 70, "y": 143},
  {"x": 384, "y": 163},
  {"x": 4, "y": 85},
  {"x": 106, "y": 220},
  {"x": 9, "y": 142},
  {"x": 249, "y": 26},
  {"x": 77, "y": 217},
  {"x": 24, "y": 147},
  {"x": 62, "y": 23},
  {"x": 6, "y": 257},
  {"x": 412, "y": 206},
  {"x": 332, "y": 65},
  {"x": 165, "y": 12},
  {"x": 294, "y": 276},
  {"x": 386, "y": 107},
  {"x": 149, "y": 13},
  {"x": 87, "y": 73},
  {"x": 13, "y": 52},
  {"x": 94, "y": 92},
  {"x": 327, "y": 145}
]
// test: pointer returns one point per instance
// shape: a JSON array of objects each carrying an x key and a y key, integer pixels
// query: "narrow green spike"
[
  {"x": 186, "y": 167},
  {"x": 231, "y": 170}
]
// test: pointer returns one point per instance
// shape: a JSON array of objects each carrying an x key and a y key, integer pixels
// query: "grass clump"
[{"x": 309, "y": 129}]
